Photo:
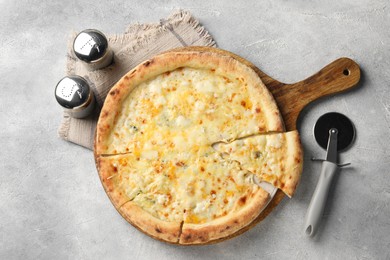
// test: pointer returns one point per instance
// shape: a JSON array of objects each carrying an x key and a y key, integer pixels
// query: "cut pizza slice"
[
  {"x": 141, "y": 190},
  {"x": 125, "y": 176},
  {"x": 274, "y": 158}
]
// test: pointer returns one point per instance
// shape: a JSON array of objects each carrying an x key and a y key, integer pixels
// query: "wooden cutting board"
[{"x": 338, "y": 76}]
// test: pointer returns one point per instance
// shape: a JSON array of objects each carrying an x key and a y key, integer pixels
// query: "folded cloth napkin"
[{"x": 140, "y": 42}]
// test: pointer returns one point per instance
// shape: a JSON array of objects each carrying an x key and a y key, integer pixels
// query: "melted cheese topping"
[
  {"x": 194, "y": 190},
  {"x": 198, "y": 105},
  {"x": 166, "y": 128},
  {"x": 263, "y": 155}
]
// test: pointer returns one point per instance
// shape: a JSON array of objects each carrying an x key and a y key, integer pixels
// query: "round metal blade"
[{"x": 345, "y": 127}]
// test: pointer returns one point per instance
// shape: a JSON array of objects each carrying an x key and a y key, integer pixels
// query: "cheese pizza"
[{"x": 155, "y": 147}]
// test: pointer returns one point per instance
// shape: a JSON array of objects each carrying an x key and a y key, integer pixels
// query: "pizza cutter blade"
[{"x": 333, "y": 132}]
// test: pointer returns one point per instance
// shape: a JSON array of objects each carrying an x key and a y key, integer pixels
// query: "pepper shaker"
[
  {"x": 91, "y": 47},
  {"x": 75, "y": 96}
]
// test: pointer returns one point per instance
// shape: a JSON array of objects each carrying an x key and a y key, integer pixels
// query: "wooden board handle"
[{"x": 338, "y": 76}]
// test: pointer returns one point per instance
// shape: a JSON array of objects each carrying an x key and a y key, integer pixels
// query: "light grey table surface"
[{"x": 52, "y": 205}]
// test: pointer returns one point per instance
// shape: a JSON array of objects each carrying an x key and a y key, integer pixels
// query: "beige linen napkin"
[{"x": 140, "y": 42}]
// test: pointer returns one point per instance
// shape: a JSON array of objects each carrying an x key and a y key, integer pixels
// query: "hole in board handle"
[{"x": 346, "y": 72}]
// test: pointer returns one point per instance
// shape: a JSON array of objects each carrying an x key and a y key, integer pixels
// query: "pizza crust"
[
  {"x": 248, "y": 208},
  {"x": 294, "y": 163},
  {"x": 152, "y": 226},
  {"x": 139, "y": 218},
  {"x": 168, "y": 62},
  {"x": 107, "y": 174}
]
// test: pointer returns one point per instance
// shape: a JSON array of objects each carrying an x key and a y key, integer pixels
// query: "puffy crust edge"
[
  {"x": 150, "y": 225},
  {"x": 228, "y": 225},
  {"x": 294, "y": 162},
  {"x": 106, "y": 170},
  {"x": 149, "y": 69}
]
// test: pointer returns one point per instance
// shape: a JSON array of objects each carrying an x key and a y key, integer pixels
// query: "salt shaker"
[
  {"x": 75, "y": 96},
  {"x": 91, "y": 46}
]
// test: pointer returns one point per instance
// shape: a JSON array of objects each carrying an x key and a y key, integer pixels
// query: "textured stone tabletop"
[{"x": 52, "y": 205}]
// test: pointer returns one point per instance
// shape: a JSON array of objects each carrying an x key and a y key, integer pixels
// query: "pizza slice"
[
  {"x": 141, "y": 190},
  {"x": 125, "y": 176},
  {"x": 274, "y": 158}
]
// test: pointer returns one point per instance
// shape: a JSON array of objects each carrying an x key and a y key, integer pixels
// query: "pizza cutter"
[{"x": 334, "y": 132}]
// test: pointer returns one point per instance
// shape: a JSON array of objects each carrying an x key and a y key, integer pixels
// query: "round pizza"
[{"x": 183, "y": 141}]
